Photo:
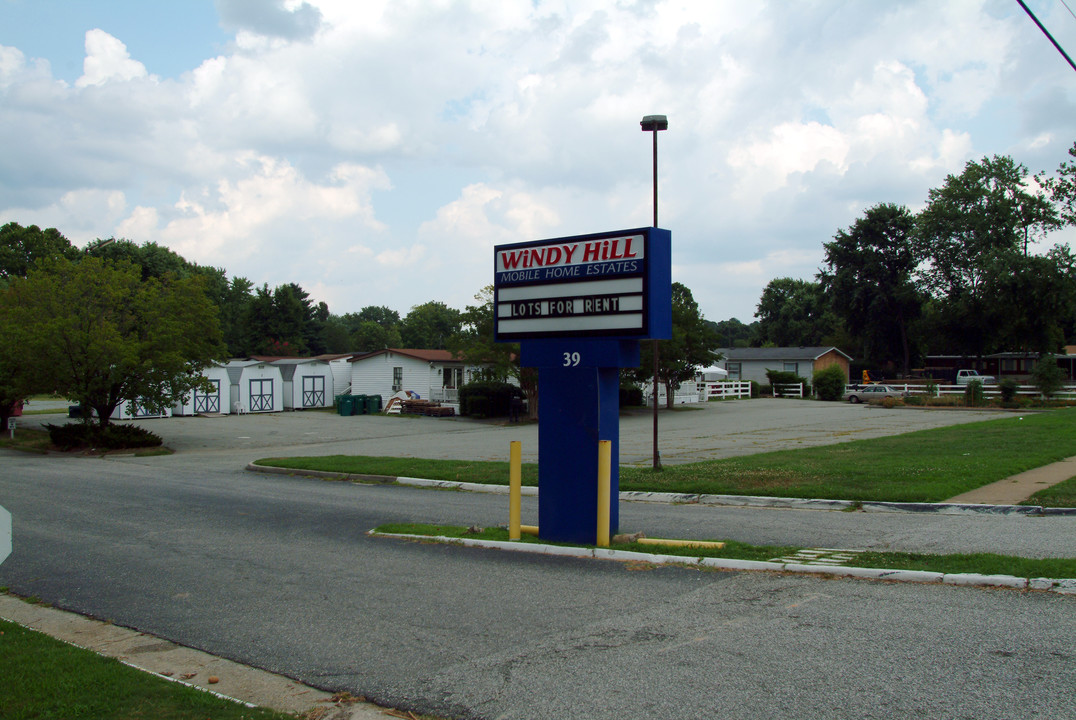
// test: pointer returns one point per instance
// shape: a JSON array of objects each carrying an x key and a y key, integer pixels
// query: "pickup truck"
[{"x": 963, "y": 377}]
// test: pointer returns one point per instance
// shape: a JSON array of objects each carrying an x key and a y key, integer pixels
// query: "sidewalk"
[
  {"x": 186, "y": 666},
  {"x": 1018, "y": 488}
]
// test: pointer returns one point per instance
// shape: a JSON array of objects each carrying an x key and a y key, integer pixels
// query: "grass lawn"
[
  {"x": 1062, "y": 495},
  {"x": 924, "y": 466},
  {"x": 982, "y": 563},
  {"x": 45, "y": 679}
]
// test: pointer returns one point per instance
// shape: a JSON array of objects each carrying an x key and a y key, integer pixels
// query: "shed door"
[
  {"x": 208, "y": 403},
  {"x": 314, "y": 391},
  {"x": 261, "y": 395}
]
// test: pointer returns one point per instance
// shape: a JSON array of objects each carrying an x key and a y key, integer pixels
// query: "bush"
[
  {"x": 631, "y": 395},
  {"x": 973, "y": 394},
  {"x": 488, "y": 399},
  {"x": 782, "y": 377},
  {"x": 1048, "y": 376},
  {"x": 75, "y": 436},
  {"x": 829, "y": 383},
  {"x": 1008, "y": 388}
]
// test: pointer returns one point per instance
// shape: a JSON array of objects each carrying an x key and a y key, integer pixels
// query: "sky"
[{"x": 375, "y": 151}]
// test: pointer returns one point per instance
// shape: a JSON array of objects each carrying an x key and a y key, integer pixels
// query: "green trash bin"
[
  {"x": 345, "y": 405},
  {"x": 358, "y": 404},
  {"x": 373, "y": 404}
]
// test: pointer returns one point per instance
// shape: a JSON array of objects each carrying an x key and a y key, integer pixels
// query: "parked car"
[
  {"x": 963, "y": 377},
  {"x": 866, "y": 393}
]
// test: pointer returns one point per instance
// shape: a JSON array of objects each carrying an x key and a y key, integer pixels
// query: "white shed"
[
  {"x": 255, "y": 386},
  {"x": 132, "y": 410},
  {"x": 215, "y": 401},
  {"x": 308, "y": 383}
]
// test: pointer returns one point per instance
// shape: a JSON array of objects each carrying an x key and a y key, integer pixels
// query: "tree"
[
  {"x": 1031, "y": 299},
  {"x": 976, "y": 219},
  {"x": 1062, "y": 188},
  {"x": 283, "y": 321},
  {"x": 21, "y": 247},
  {"x": 97, "y": 333},
  {"x": 429, "y": 326},
  {"x": 383, "y": 316},
  {"x": 869, "y": 281},
  {"x": 370, "y": 336},
  {"x": 693, "y": 346},
  {"x": 733, "y": 333},
  {"x": 474, "y": 344},
  {"x": 985, "y": 210},
  {"x": 792, "y": 313}
]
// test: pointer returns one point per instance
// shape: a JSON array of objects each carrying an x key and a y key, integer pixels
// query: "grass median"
[
  {"x": 923, "y": 466},
  {"x": 979, "y": 563}
]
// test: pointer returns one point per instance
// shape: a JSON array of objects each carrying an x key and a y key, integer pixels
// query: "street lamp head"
[{"x": 654, "y": 123}]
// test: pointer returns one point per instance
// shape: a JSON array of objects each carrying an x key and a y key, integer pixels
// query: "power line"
[
  {"x": 1047, "y": 32},
  {"x": 1067, "y": 8}
]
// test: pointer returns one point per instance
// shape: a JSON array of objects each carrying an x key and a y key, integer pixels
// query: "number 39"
[{"x": 571, "y": 359}]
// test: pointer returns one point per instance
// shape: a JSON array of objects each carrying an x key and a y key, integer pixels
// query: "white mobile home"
[
  {"x": 752, "y": 363},
  {"x": 430, "y": 374}
]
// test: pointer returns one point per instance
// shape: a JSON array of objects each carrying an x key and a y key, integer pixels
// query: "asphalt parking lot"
[{"x": 687, "y": 434}]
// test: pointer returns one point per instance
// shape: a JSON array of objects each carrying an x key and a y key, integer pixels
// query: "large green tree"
[
  {"x": 976, "y": 220},
  {"x": 21, "y": 247},
  {"x": 1032, "y": 299},
  {"x": 869, "y": 281},
  {"x": 95, "y": 332},
  {"x": 1062, "y": 187},
  {"x": 692, "y": 347},
  {"x": 792, "y": 313},
  {"x": 733, "y": 332},
  {"x": 429, "y": 326}
]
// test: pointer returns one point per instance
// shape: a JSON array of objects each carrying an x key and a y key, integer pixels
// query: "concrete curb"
[
  {"x": 1058, "y": 585},
  {"x": 697, "y": 499}
]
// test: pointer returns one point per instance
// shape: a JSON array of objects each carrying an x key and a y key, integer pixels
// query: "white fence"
[
  {"x": 1067, "y": 392},
  {"x": 721, "y": 390},
  {"x": 788, "y": 390}
]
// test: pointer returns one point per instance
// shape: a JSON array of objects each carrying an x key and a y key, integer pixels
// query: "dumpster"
[{"x": 345, "y": 405}]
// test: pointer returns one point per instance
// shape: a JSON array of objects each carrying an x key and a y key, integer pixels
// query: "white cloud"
[
  {"x": 107, "y": 59},
  {"x": 413, "y": 136}
]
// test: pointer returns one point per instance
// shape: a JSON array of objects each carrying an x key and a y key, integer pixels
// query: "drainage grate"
[{"x": 819, "y": 556}]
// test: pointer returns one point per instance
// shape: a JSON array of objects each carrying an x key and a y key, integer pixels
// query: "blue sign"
[
  {"x": 578, "y": 306},
  {"x": 614, "y": 285}
]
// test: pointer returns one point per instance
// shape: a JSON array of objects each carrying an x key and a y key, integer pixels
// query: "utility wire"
[{"x": 1047, "y": 33}]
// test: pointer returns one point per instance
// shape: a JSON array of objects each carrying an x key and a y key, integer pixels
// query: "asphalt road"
[{"x": 277, "y": 572}]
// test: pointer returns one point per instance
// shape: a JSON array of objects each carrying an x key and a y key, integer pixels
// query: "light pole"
[{"x": 652, "y": 124}]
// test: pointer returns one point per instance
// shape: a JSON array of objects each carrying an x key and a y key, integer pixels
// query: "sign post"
[{"x": 578, "y": 306}]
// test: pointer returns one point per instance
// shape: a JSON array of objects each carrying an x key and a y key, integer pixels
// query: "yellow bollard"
[
  {"x": 529, "y": 529},
  {"x": 605, "y": 453},
  {"x": 515, "y": 489}
]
